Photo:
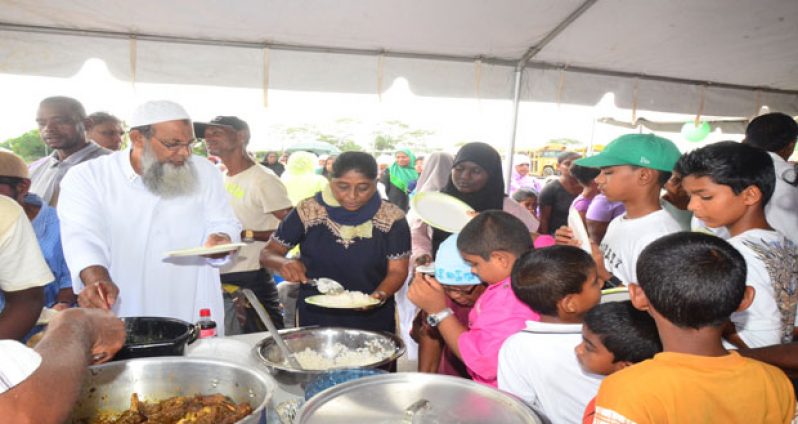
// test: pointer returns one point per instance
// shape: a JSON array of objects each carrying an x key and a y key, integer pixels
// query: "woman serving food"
[{"x": 346, "y": 233}]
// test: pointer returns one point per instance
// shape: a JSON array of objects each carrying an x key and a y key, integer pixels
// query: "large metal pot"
[
  {"x": 156, "y": 336},
  {"x": 108, "y": 387},
  {"x": 322, "y": 340},
  {"x": 414, "y": 398}
]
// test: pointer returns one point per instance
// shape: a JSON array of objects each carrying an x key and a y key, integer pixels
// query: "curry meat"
[{"x": 198, "y": 409}]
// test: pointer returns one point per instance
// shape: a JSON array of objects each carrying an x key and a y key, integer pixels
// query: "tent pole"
[
  {"x": 519, "y": 69},
  {"x": 516, "y": 101}
]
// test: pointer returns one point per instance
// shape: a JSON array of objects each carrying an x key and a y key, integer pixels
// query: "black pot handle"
[{"x": 193, "y": 333}]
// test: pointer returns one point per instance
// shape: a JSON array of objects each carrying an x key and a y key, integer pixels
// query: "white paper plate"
[
  {"x": 322, "y": 300},
  {"x": 579, "y": 230},
  {"x": 200, "y": 251},
  {"x": 426, "y": 269},
  {"x": 442, "y": 211},
  {"x": 616, "y": 294}
]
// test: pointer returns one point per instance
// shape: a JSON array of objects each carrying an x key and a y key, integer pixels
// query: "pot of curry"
[{"x": 172, "y": 390}]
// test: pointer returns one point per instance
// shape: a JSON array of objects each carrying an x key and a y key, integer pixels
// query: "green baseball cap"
[{"x": 644, "y": 150}]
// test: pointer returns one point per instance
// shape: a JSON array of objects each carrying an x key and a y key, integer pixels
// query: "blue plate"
[{"x": 329, "y": 379}]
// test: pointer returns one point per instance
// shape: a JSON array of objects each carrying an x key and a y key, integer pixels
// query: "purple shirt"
[
  {"x": 602, "y": 210},
  {"x": 496, "y": 315},
  {"x": 581, "y": 203}
]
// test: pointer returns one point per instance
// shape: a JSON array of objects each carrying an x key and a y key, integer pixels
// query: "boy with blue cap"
[
  {"x": 634, "y": 168},
  {"x": 462, "y": 288}
]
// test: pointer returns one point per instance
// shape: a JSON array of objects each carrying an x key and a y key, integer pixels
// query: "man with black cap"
[
  {"x": 260, "y": 202},
  {"x": 122, "y": 213}
]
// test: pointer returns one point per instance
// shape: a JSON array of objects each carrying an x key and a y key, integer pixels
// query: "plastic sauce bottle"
[{"x": 206, "y": 324}]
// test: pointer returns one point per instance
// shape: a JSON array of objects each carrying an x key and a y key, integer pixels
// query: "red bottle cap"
[{"x": 205, "y": 313}]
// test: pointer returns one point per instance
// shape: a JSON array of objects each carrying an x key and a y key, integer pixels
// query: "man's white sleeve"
[{"x": 84, "y": 229}]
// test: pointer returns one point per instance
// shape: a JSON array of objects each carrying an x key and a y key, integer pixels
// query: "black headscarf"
[{"x": 490, "y": 197}]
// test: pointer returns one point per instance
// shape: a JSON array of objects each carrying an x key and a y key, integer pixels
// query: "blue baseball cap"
[{"x": 450, "y": 268}]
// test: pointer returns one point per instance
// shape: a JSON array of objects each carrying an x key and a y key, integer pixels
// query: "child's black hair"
[
  {"x": 628, "y": 333},
  {"x": 693, "y": 280},
  {"x": 494, "y": 230},
  {"x": 362, "y": 163},
  {"x": 523, "y": 194},
  {"x": 584, "y": 174},
  {"x": 732, "y": 164},
  {"x": 542, "y": 277},
  {"x": 772, "y": 132}
]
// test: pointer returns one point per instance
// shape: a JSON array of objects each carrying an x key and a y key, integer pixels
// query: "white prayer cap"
[{"x": 157, "y": 111}]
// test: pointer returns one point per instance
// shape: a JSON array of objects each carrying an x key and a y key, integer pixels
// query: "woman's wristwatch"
[
  {"x": 249, "y": 236},
  {"x": 434, "y": 319}
]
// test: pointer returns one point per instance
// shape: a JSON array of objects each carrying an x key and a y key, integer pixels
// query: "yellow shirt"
[
  {"x": 681, "y": 388},
  {"x": 22, "y": 265}
]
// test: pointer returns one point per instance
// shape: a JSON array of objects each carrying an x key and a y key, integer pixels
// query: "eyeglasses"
[
  {"x": 460, "y": 289},
  {"x": 174, "y": 147}
]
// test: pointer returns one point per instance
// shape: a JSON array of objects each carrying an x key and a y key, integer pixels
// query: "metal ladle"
[{"x": 287, "y": 353}]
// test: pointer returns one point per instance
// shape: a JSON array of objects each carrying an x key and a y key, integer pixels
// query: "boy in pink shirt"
[{"x": 490, "y": 243}]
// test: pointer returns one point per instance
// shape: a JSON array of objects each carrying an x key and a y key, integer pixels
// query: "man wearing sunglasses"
[{"x": 121, "y": 214}]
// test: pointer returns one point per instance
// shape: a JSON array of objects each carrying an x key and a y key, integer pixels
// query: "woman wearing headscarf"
[
  {"x": 300, "y": 178},
  {"x": 520, "y": 177},
  {"x": 347, "y": 233},
  {"x": 476, "y": 179},
  {"x": 398, "y": 177}
]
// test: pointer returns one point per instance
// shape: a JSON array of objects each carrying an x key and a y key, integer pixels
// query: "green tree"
[
  {"x": 391, "y": 134},
  {"x": 28, "y": 146},
  {"x": 339, "y": 134}
]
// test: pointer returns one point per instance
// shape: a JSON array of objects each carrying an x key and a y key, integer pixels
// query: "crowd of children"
[{"x": 704, "y": 309}]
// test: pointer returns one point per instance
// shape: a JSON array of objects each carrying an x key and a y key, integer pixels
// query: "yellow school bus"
[{"x": 544, "y": 159}]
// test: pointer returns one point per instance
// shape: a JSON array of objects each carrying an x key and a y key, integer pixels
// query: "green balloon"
[{"x": 696, "y": 133}]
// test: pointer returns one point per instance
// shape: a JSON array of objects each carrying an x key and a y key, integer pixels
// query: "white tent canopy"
[{"x": 715, "y": 57}]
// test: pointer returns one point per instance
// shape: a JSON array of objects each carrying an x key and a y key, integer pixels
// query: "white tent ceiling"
[{"x": 723, "y": 57}]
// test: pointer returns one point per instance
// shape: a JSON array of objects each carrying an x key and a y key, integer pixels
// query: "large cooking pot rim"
[{"x": 190, "y": 334}]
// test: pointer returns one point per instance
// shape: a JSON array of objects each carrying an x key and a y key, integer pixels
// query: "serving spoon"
[
  {"x": 284, "y": 349},
  {"x": 326, "y": 285}
]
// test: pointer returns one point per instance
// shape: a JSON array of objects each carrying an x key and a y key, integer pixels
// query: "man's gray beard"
[{"x": 165, "y": 179}]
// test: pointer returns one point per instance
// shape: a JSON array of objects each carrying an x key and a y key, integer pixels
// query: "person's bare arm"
[
  {"x": 266, "y": 235},
  {"x": 545, "y": 218},
  {"x": 596, "y": 230},
  {"x": 273, "y": 258},
  {"x": 65, "y": 299},
  {"x": 21, "y": 311},
  {"x": 427, "y": 293},
  {"x": 784, "y": 356},
  {"x": 429, "y": 353},
  {"x": 98, "y": 291},
  {"x": 394, "y": 278},
  {"x": 73, "y": 338}
]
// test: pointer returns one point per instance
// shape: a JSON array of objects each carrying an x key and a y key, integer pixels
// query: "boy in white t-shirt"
[
  {"x": 729, "y": 185},
  {"x": 634, "y": 168},
  {"x": 777, "y": 133},
  {"x": 538, "y": 364}
]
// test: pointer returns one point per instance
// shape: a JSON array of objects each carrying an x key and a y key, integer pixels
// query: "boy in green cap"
[{"x": 634, "y": 168}]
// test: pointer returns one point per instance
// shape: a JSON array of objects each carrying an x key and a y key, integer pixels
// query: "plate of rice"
[{"x": 344, "y": 300}]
